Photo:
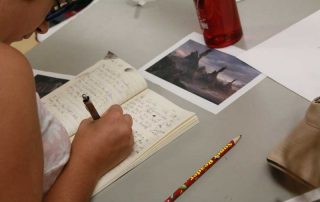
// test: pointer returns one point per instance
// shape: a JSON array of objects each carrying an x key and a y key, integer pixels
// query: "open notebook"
[{"x": 156, "y": 120}]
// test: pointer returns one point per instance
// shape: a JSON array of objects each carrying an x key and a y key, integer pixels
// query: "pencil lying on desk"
[{"x": 203, "y": 169}]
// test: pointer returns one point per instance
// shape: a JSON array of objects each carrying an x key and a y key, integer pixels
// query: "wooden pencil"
[{"x": 203, "y": 169}]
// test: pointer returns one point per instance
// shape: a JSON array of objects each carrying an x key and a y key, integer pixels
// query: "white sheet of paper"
[
  {"x": 195, "y": 99},
  {"x": 52, "y": 74},
  {"x": 292, "y": 57},
  {"x": 311, "y": 196}
]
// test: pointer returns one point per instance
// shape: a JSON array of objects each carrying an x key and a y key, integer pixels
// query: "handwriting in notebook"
[
  {"x": 108, "y": 83},
  {"x": 151, "y": 119}
]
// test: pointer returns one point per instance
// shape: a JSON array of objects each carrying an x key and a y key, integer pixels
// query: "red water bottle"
[{"x": 219, "y": 21}]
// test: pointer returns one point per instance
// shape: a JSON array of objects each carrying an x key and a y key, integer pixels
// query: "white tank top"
[{"x": 56, "y": 145}]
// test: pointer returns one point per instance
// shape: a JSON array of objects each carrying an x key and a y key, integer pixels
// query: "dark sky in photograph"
[{"x": 236, "y": 69}]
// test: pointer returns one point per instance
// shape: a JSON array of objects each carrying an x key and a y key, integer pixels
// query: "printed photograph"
[
  {"x": 46, "y": 84},
  {"x": 208, "y": 73}
]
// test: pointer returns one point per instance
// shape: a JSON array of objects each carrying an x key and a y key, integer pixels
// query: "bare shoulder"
[
  {"x": 16, "y": 77},
  {"x": 20, "y": 140},
  {"x": 16, "y": 80},
  {"x": 17, "y": 83},
  {"x": 17, "y": 90},
  {"x": 13, "y": 62}
]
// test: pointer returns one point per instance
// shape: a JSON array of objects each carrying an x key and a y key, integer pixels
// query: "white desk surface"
[{"x": 263, "y": 116}]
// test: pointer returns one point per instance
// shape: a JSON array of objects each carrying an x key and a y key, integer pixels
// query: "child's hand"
[{"x": 100, "y": 145}]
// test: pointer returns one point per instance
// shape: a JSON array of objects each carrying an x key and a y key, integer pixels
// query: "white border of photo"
[{"x": 195, "y": 99}]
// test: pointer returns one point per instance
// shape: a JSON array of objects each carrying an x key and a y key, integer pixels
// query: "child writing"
[{"x": 38, "y": 163}]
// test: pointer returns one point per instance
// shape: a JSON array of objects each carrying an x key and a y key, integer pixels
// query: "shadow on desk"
[{"x": 288, "y": 182}]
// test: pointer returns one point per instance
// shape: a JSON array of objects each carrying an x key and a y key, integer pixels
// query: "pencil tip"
[{"x": 236, "y": 139}]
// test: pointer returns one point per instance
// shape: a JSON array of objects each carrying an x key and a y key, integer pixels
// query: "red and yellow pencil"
[{"x": 203, "y": 169}]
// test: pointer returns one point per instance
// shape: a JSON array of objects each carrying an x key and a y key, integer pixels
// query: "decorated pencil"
[{"x": 203, "y": 169}]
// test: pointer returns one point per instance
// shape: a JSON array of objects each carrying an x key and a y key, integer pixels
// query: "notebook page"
[
  {"x": 107, "y": 82},
  {"x": 154, "y": 117}
]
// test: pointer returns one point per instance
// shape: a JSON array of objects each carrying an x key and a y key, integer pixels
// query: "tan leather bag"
[{"x": 299, "y": 154}]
